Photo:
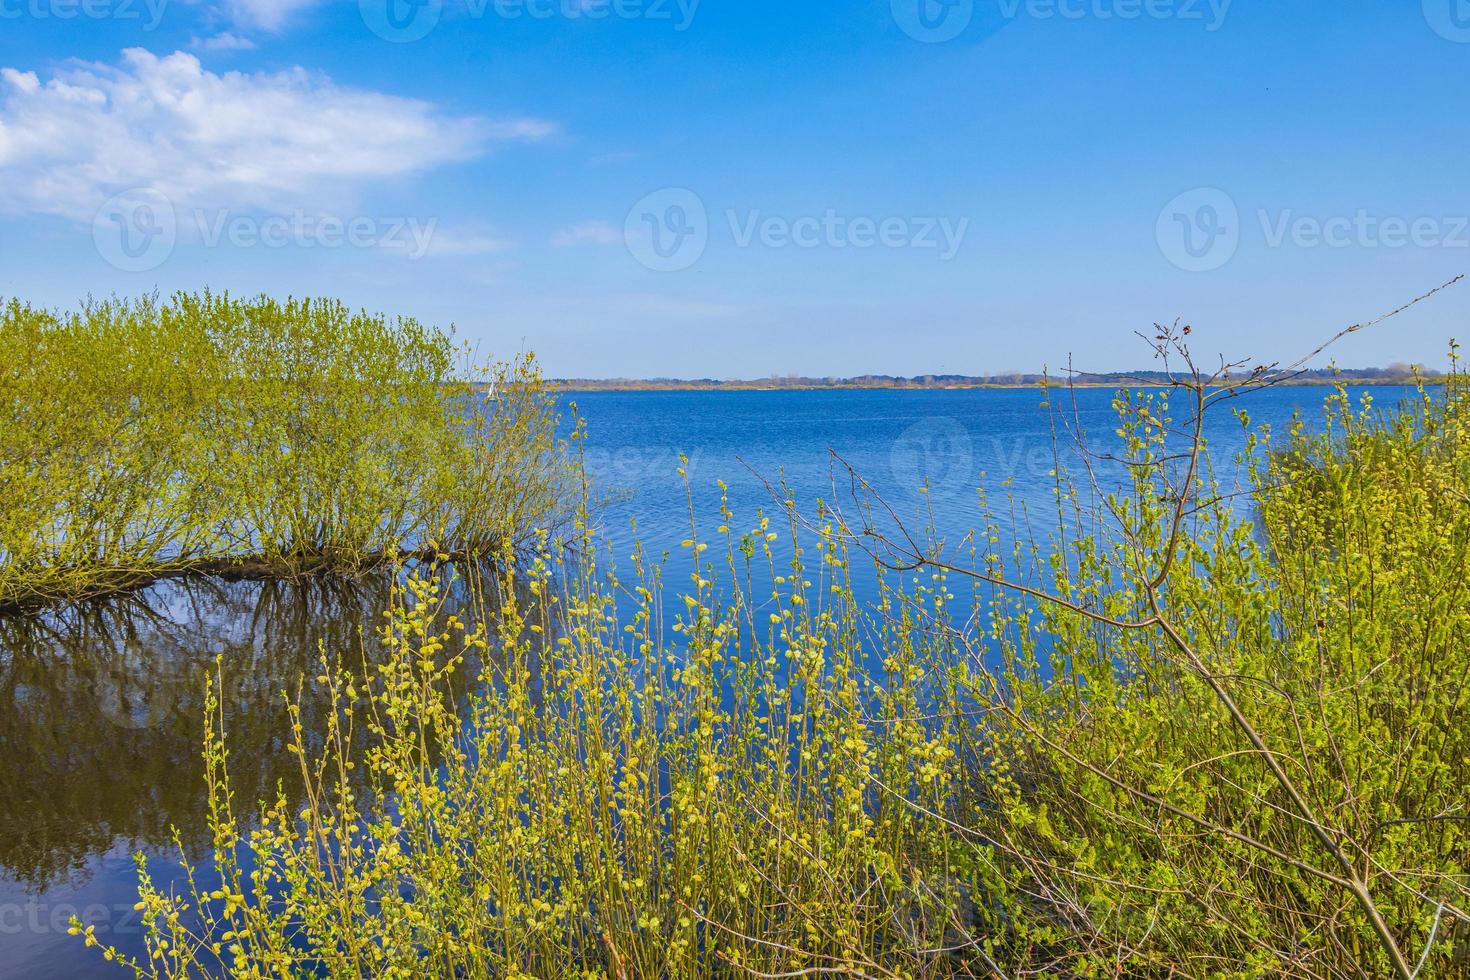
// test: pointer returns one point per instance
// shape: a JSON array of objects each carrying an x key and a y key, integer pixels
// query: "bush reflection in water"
[{"x": 101, "y": 708}]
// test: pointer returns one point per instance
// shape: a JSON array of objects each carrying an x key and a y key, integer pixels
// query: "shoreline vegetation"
[
  {"x": 1394, "y": 374},
  {"x": 207, "y": 435},
  {"x": 1208, "y": 723}
]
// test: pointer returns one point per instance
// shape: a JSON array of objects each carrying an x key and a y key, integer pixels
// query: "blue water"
[
  {"x": 928, "y": 454},
  {"x": 99, "y": 708}
]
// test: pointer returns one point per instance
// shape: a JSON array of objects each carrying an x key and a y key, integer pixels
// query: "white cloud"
[
  {"x": 224, "y": 41},
  {"x": 529, "y": 130},
  {"x": 24, "y": 82},
  {"x": 232, "y": 140},
  {"x": 270, "y": 15},
  {"x": 588, "y": 233}
]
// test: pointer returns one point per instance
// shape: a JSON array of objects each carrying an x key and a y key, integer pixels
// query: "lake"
[{"x": 100, "y": 705}]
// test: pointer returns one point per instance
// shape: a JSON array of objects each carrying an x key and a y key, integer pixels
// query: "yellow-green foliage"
[
  {"x": 142, "y": 437},
  {"x": 1201, "y": 746},
  {"x": 1141, "y": 807}
]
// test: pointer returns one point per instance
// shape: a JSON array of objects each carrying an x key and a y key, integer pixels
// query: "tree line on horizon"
[{"x": 1395, "y": 373}]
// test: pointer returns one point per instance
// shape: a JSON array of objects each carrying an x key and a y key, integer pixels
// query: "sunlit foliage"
[
  {"x": 1187, "y": 728},
  {"x": 220, "y": 435}
]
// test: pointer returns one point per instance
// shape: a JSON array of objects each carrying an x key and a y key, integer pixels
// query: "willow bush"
[
  {"x": 208, "y": 433},
  {"x": 1200, "y": 725},
  {"x": 1238, "y": 747}
]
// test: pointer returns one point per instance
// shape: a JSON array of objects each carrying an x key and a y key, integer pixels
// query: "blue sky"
[{"x": 722, "y": 188}]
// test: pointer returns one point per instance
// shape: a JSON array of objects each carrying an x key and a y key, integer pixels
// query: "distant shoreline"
[{"x": 1140, "y": 380}]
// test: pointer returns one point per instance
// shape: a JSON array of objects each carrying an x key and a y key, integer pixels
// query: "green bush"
[
  {"x": 1247, "y": 754},
  {"x": 250, "y": 436}
]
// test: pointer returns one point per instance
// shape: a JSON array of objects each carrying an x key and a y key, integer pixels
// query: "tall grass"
[
  {"x": 1175, "y": 735},
  {"x": 210, "y": 433}
]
